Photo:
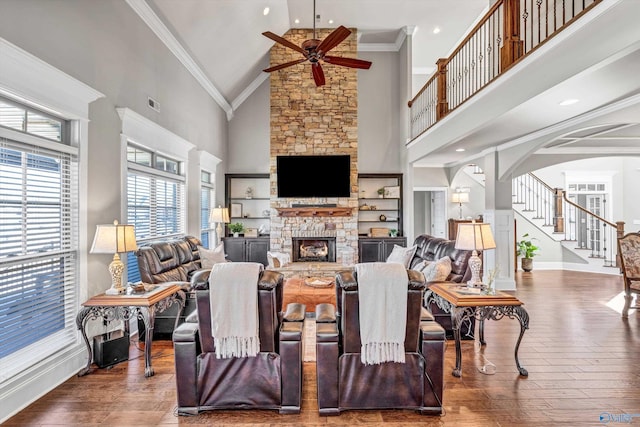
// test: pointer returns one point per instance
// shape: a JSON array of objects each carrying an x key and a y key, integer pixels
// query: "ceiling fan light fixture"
[{"x": 314, "y": 51}]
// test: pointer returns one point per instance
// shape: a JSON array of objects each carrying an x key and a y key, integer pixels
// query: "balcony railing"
[{"x": 511, "y": 30}]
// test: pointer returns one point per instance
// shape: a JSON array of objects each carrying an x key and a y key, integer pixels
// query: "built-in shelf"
[{"x": 314, "y": 212}]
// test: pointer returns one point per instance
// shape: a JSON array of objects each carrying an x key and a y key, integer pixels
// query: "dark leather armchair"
[
  {"x": 344, "y": 382},
  {"x": 271, "y": 380}
]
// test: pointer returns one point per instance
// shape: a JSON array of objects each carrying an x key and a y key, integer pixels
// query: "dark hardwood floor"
[{"x": 582, "y": 359}]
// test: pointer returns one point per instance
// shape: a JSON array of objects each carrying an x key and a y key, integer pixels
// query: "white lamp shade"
[
  {"x": 219, "y": 215},
  {"x": 475, "y": 236},
  {"x": 460, "y": 197},
  {"x": 114, "y": 238}
]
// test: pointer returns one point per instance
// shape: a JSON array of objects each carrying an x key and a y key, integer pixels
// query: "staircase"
[{"x": 588, "y": 241}]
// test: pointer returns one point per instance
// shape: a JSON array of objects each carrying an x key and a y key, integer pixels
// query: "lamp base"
[{"x": 475, "y": 264}]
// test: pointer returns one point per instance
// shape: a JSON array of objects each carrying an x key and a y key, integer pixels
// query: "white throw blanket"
[
  {"x": 233, "y": 295},
  {"x": 382, "y": 290}
]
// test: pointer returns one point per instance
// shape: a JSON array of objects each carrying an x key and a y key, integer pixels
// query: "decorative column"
[{"x": 499, "y": 213}]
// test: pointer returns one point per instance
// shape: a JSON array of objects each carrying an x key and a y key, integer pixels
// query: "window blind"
[
  {"x": 38, "y": 253},
  {"x": 156, "y": 206}
]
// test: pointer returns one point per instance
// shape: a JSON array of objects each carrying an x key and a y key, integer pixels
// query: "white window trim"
[{"x": 30, "y": 80}]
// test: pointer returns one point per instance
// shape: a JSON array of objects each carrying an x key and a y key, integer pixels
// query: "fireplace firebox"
[{"x": 314, "y": 249}]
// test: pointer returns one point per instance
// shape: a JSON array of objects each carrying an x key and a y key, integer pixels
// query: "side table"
[
  {"x": 125, "y": 307},
  {"x": 464, "y": 304}
]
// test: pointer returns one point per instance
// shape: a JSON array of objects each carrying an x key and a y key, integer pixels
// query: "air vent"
[{"x": 153, "y": 104}]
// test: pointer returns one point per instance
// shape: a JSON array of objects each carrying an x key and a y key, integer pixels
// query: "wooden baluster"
[
  {"x": 443, "y": 105},
  {"x": 512, "y": 49}
]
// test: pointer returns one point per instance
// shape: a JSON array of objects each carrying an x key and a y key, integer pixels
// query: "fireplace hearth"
[{"x": 314, "y": 249}]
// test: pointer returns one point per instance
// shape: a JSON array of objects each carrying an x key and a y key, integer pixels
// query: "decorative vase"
[
  {"x": 236, "y": 234},
  {"x": 527, "y": 264}
]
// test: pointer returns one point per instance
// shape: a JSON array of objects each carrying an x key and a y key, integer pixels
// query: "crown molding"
[
  {"x": 157, "y": 26},
  {"x": 409, "y": 30},
  {"x": 246, "y": 93}
]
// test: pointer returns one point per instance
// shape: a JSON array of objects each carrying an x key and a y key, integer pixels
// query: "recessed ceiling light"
[
  {"x": 330, "y": 21},
  {"x": 459, "y": 150},
  {"x": 569, "y": 102},
  {"x": 436, "y": 30},
  {"x": 265, "y": 12},
  {"x": 296, "y": 21}
]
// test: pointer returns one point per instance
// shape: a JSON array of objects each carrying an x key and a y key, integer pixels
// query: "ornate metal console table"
[
  {"x": 463, "y": 305},
  {"x": 125, "y": 307}
]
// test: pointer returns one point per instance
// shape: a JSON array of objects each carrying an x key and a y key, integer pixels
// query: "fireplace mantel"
[{"x": 314, "y": 212}]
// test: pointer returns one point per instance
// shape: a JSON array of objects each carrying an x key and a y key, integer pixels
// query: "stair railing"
[{"x": 552, "y": 206}]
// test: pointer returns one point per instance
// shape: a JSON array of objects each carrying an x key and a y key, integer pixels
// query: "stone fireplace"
[
  {"x": 314, "y": 120},
  {"x": 314, "y": 249}
]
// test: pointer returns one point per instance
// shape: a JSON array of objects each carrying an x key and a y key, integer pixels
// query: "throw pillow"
[
  {"x": 438, "y": 271},
  {"x": 402, "y": 255},
  {"x": 209, "y": 257},
  {"x": 422, "y": 265}
]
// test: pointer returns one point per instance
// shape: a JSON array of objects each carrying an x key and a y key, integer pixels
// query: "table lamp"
[
  {"x": 475, "y": 237},
  {"x": 460, "y": 198},
  {"x": 219, "y": 215},
  {"x": 114, "y": 239}
]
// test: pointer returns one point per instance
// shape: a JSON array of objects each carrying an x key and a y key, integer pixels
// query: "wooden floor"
[{"x": 582, "y": 359}]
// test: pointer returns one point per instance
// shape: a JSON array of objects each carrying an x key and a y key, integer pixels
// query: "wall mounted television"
[{"x": 314, "y": 176}]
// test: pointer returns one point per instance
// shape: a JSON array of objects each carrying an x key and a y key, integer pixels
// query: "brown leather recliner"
[
  {"x": 178, "y": 261},
  {"x": 271, "y": 380},
  {"x": 344, "y": 382},
  {"x": 430, "y": 248}
]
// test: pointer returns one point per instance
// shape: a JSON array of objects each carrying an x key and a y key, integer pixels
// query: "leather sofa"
[
  {"x": 271, "y": 380},
  {"x": 178, "y": 261},
  {"x": 430, "y": 248},
  {"x": 345, "y": 383}
]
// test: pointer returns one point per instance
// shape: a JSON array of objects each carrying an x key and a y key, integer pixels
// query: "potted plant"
[
  {"x": 381, "y": 192},
  {"x": 236, "y": 228},
  {"x": 527, "y": 250}
]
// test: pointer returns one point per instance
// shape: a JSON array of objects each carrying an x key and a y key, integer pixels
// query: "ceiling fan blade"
[
  {"x": 318, "y": 74},
  {"x": 347, "y": 62},
  {"x": 333, "y": 39},
  {"x": 284, "y": 41},
  {"x": 285, "y": 65}
]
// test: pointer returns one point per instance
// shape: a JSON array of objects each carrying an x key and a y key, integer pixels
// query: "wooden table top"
[
  {"x": 146, "y": 299},
  {"x": 460, "y": 296}
]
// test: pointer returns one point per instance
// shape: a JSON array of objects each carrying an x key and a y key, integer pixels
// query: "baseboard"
[{"x": 21, "y": 390}]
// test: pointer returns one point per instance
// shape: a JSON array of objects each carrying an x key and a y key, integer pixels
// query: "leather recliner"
[
  {"x": 176, "y": 261},
  {"x": 430, "y": 248},
  {"x": 271, "y": 380},
  {"x": 344, "y": 382}
]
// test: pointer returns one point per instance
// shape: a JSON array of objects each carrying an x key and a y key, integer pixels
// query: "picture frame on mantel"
[
  {"x": 236, "y": 210},
  {"x": 392, "y": 192}
]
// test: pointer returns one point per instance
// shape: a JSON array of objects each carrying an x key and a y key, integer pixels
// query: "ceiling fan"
[{"x": 315, "y": 51}]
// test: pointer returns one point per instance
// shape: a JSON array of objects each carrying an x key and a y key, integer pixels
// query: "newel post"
[
  {"x": 443, "y": 104},
  {"x": 513, "y": 47},
  {"x": 558, "y": 217}
]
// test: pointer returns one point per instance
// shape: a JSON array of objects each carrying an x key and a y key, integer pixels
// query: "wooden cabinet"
[
  {"x": 379, "y": 211},
  {"x": 371, "y": 249},
  {"x": 247, "y": 249},
  {"x": 453, "y": 226},
  {"x": 248, "y": 197}
]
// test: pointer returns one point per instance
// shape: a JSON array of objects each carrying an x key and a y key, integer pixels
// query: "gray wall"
[
  {"x": 249, "y": 133},
  {"x": 379, "y": 147},
  {"x": 104, "y": 44}
]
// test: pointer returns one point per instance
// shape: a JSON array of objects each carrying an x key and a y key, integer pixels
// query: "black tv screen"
[{"x": 314, "y": 176}]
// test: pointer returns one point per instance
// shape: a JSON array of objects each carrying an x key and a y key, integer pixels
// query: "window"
[
  {"x": 27, "y": 120},
  {"x": 155, "y": 199},
  {"x": 38, "y": 245},
  {"x": 206, "y": 202}
]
